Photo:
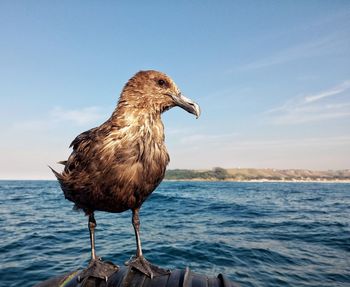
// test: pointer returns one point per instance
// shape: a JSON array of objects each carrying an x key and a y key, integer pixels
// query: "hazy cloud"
[
  {"x": 328, "y": 93},
  {"x": 326, "y": 152},
  {"x": 59, "y": 115},
  {"x": 311, "y": 108},
  {"x": 290, "y": 143},
  {"x": 81, "y": 116},
  {"x": 314, "y": 48},
  {"x": 208, "y": 138}
]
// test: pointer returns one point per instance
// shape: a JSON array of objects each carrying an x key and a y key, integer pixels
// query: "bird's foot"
[
  {"x": 145, "y": 267},
  {"x": 98, "y": 269}
]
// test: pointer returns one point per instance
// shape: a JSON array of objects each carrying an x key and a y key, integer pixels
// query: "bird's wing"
[
  {"x": 83, "y": 137},
  {"x": 83, "y": 145}
]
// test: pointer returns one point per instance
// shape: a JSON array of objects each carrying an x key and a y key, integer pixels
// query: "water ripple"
[{"x": 259, "y": 234}]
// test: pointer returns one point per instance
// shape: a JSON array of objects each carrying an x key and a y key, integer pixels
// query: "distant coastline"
[
  {"x": 259, "y": 175},
  {"x": 243, "y": 175},
  {"x": 257, "y": 181}
]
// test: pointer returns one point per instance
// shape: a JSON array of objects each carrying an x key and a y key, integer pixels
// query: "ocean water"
[{"x": 258, "y": 234}]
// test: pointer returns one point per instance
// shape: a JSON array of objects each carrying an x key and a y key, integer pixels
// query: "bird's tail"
[{"x": 58, "y": 176}]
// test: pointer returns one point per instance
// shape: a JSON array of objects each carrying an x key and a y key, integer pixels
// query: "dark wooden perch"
[{"x": 130, "y": 277}]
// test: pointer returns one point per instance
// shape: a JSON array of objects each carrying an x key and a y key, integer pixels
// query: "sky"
[{"x": 272, "y": 79}]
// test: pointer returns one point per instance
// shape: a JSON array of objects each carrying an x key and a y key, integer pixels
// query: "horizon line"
[{"x": 195, "y": 169}]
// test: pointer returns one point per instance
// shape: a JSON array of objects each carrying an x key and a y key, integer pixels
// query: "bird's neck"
[
  {"x": 136, "y": 104},
  {"x": 140, "y": 121}
]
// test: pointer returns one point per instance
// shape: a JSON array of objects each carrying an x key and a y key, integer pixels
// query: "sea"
[{"x": 257, "y": 234}]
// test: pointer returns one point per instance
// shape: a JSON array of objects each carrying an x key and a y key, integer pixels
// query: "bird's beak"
[{"x": 187, "y": 104}]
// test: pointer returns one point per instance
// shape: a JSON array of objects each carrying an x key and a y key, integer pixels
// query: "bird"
[{"x": 116, "y": 166}]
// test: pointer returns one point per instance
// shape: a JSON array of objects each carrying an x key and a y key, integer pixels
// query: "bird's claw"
[
  {"x": 98, "y": 269},
  {"x": 141, "y": 264}
]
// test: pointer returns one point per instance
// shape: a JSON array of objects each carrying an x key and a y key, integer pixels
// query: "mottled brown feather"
[{"x": 116, "y": 166}]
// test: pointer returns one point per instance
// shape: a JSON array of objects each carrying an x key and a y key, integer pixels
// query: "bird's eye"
[{"x": 161, "y": 82}]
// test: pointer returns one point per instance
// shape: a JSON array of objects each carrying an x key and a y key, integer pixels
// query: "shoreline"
[
  {"x": 217, "y": 180},
  {"x": 258, "y": 181},
  {"x": 260, "y": 175}
]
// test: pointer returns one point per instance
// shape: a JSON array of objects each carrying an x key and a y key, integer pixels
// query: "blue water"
[{"x": 258, "y": 234}]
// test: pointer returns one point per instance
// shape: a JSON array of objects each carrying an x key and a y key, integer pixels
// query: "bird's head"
[{"x": 157, "y": 91}]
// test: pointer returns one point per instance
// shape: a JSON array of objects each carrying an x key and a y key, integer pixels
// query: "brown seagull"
[{"x": 116, "y": 166}]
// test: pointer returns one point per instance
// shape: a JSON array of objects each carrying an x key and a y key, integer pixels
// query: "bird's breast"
[{"x": 134, "y": 162}]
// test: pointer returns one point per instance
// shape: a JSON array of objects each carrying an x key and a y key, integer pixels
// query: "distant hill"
[{"x": 253, "y": 174}]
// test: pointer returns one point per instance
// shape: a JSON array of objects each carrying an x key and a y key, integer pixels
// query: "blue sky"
[{"x": 272, "y": 79}]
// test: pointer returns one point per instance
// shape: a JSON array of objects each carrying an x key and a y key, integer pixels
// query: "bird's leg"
[
  {"x": 92, "y": 225},
  {"x": 139, "y": 262},
  {"x": 136, "y": 224},
  {"x": 97, "y": 268}
]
